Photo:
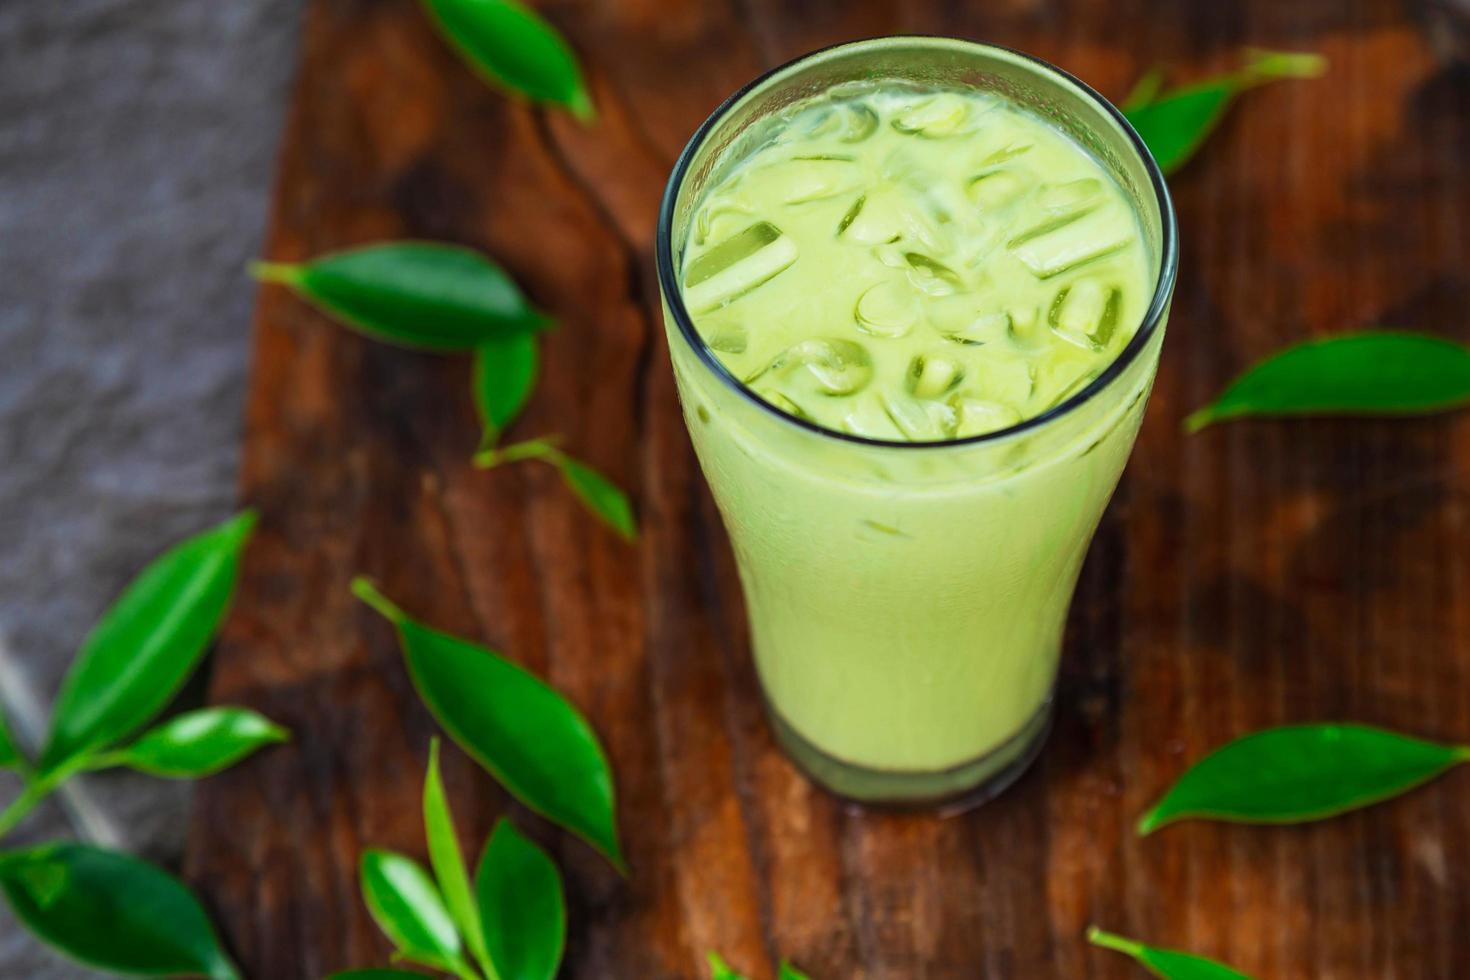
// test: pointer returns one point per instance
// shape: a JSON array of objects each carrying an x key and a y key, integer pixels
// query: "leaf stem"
[
  {"x": 364, "y": 588},
  {"x": 1117, "y": 944},
  {"x": 544, "y": 447},
  {"x": 33, "y": 793}
]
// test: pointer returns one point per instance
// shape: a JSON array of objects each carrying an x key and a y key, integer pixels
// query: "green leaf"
[
  {"x": 505, "y": 375},
  {"x": 146, "y": 646},
  {"x": 521, "y": 906},
  {"x": 1176, "y": 123},
  {"x": 720, "y": 970},
  {"x": 448, "y": 861},
  {"x": 408, "y": 908},
  {"x": 1374, "y": 373},
  {"x": 416, "y": 294},
  {"x": 377, "y": 974},
  {"x": 600, "y": 496},
  {"x": 10, "y": 754},
  {"x": 199, "y": 743},
  {"x": 789, "y": 972},
  {"x": 512, "y": 46},
  {"x": 1298, "y": 773},
  {"x": 521, "y": 730},
  {"x": 1144, "y": 91},
  {"x": 113, "y": 912},
  {"x": 1167, "y": 964}
]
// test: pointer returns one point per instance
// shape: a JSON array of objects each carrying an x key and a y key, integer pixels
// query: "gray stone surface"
[{"x": 137, "y": 142}]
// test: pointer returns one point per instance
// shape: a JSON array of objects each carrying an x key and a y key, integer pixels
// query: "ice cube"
[
  {"x": 868, "y": 418},
  {"x": 887, "y": 309},
  {"x": 931, "y": 375},
  {"x": 930, "y": 275},
  {"x": 846, "y": 122},
  {"x": 720, "y": 220},
  {"x": 1063, "y": 243},
  {"x": 975, "y": 327},
  {"x": 802, "y": 179},
  {"x": 1074, "y": 195},
  {"x": 1023, "y": 325},
  {"x": 727, "y": 336},
  {"x": 975, "y": 416},
  {"x": 778, "y": 398},
  {"x": 1001, "y": 378},
  {"x": 997, "y": 188},
  {"x": 837, "y": 366},
  {"x": 890, "y": 215},
  {"x": 736, "y": 266},
  {"x": 920, "y": 421},
  {"x": 936, "y": 117},
  {"x": 1086, "y": 313}
]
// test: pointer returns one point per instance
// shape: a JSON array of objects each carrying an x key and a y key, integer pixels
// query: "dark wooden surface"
[{"x": 1256, "y": 574}]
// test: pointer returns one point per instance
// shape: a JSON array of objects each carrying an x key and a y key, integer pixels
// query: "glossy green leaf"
[
  {"x": 113, "y": 912},
  {"x": 10, "y": 754},
  {"x": 789, "y": 972},
  {"x": 600, "y": 496},
  {"x": 416, "y": 294},
  {"x": 522, "y": 908},
  {"x": 1175, "y": 123},
  {"x": 377, "y": 974},
  {"x": 1374, "y": 373},
  {"x": 1298, "y": 773},
  {"x": 407, "y": 906},
  {"x": 596, "y": 492},
  {"x": 199, "y": 743},
  {"x": 146, "y": 646},
  {"x": 520, "y": 729},
  {"x": 505, "y": 376},
  {"x": 512, "y": 46},
  {"x": 720, "y": 970},
  {"x": 447, "y": 859},
  {"x": 1166, "y": 964}
]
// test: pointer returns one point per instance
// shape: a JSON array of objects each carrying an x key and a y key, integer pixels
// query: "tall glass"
[{"x": 907, "y": 600}]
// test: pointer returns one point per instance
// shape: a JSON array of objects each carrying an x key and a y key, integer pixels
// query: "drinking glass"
[{"x": 907, "y": 600}]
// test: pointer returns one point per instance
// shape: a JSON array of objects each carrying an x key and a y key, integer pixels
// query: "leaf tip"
[
  {"x": 581, "y": 107},
  {"x": 283, "y": 273},
  {"x": 1150, "y": 822},
  {"x": 1199, "y": 420}
]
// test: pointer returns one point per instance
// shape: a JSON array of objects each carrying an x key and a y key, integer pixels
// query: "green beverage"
[{"x": 915, "y": 291}]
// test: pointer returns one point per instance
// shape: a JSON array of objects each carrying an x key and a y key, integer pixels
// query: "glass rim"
[{"x": 1152, "y": 318}]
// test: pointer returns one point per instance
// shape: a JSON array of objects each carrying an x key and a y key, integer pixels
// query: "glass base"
[{"x": 960, "y": 787}]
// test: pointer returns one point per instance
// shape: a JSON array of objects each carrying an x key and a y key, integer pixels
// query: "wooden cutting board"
[{"x": 1255, "y": 574}]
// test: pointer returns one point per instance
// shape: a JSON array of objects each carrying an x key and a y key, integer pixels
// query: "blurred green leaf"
[
  {"x": 1175, "y": 123},
  {"x": 1167, "y": 964},
  {"x": 199, "y": 743},
  {"x": 1297, "y": 773},
  {"x": 1362, "y": 374},
  {"x": 407, "y": 906},
  {"x": 789, "y": 972},
  {"x": 720, "y": 970},
  {"x": 146, "y": 646},
  {"x": 505, "y": 376},
  {"x": 10, "y": 754},
  {"x": 417, "y": 294},
  {"x": 520, "y": 729},
  {"x": 522, "y": 907},
  {"x": 113, "y": 912},
  {"x": 512, "y": 46},
  {"x": 447, "y": 859}
]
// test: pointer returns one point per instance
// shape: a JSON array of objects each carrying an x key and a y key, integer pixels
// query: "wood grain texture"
[{"x": 1255, "y": 574}]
